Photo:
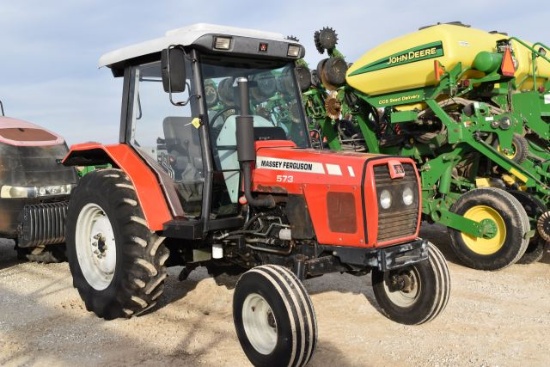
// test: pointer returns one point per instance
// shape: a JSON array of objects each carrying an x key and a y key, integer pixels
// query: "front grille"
[
  {"x": 43, "y": 224},
  {"x": 399, "y": 220}
]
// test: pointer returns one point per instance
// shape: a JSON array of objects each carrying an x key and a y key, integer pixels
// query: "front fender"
[{"x": 148, "y": 189}]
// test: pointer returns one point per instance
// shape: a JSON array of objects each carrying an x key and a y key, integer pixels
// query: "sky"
[{"x": 49, "y": 71}]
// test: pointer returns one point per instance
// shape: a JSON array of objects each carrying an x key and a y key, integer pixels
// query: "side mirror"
[{"x": 173, "y": 70}]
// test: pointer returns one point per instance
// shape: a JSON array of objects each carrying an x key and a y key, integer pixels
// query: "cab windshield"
[
  {"x": 274, "y": 99},
  {"x": 274, "y": 104}
]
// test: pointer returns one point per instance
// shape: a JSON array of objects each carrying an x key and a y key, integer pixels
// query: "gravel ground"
[{"x": 492, "y": 319}]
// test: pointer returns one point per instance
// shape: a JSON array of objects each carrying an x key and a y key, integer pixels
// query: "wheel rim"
[
  {"x": 480, "y": 245},
  {"x": 510, "y": 155},
  {"x": 95, "y": 246},
  {"x": 403, "y": 288},
  {"x": 259, "y": 323}
]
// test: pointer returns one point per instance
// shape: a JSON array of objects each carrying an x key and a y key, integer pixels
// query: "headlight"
[
  {"x": 408, "y": 196},
  {"x": 10, "y": 192},
  {"x": 385, "y": 199},
  {"x": 14, "y": 192}
]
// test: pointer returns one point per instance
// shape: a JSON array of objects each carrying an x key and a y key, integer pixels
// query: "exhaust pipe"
[{"x": 246, "y": 151}]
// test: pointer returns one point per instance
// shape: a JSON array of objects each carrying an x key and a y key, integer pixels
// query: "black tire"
[
  {"x": 512, "y": 223},
  {"x": 534, "y": 251},
  {"x": 534, "y": 207},
  {"x": 414, "y": 294},
  {"x": 320, "y": 68},
  {"x": 225, "y": 92},
  {"x": 274, "y": 317},
  {"x": 520, "y": 148},
  {"x": 334, "y": 71},
  {"x": 304, "y": 77},
  {"x": 116, "y": 262}
]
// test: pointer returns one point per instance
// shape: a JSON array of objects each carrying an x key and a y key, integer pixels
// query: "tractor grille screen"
[
  {"x": 342, "y": 215},
  {"x": 398, "y": 203}
]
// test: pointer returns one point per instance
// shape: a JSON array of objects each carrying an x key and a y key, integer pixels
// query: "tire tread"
[
  {"x": 296, "y": 304},
  {"x": 140, "y": 272}
]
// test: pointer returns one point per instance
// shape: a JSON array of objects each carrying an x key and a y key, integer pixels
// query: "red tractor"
[{"x": 214, "y": 168}]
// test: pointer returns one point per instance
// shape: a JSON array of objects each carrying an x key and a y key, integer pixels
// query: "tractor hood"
[
  {"x": 354, "y": 199},
  {"x": 308, "y": 166}
]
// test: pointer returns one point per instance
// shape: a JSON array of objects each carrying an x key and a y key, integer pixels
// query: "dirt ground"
[{"x": 493, "y": 319}]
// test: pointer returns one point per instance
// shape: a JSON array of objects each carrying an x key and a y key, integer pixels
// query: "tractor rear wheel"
[
  {"x": 116, "y": 262},
  {"x": 510, "y": 222},
  {"x": 274, "y": 317},
  {"x": 414, "y": 294}
]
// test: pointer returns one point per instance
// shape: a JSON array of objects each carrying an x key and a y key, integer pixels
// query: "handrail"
[{"x": 534, "y": 55}]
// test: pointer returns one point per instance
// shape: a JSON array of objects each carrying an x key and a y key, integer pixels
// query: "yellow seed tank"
[{"x": 407, "y": 62}]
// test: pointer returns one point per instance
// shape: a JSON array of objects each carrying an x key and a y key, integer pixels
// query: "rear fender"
[{"x": 148, "y": 190}]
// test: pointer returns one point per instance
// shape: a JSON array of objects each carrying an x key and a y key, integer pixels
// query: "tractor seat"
[
  {"x": 183, "y": 145},
  {"x": 182, "y": 141}
]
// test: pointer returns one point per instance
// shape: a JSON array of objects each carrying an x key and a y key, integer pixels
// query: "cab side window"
[{"x": 166, "y": 135}]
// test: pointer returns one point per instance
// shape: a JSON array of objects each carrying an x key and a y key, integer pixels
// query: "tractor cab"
[
  {"x": 273, "y": 104},
  {"x": 189, "y": 138}
]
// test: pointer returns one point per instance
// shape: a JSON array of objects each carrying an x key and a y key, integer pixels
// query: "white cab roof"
[{"x": 182, "y": 36}]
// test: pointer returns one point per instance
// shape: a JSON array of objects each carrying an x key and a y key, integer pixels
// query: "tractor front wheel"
[
  {"x": 274, "y": 317},
  {"x": 116, "y": 262},
  {"x": 416, "y": 293},
  {"x": 496, "y": 208}
]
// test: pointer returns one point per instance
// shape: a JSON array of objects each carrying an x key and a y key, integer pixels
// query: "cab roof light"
[
  {"x": 293, "y": 51},
  {"x": 222, "y": 43}
]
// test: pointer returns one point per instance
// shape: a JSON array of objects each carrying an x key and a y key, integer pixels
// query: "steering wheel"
[{"x": 218, "y": 115}]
